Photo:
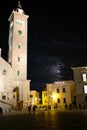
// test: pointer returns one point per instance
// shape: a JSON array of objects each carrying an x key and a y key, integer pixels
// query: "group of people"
[{"x": 31, "y": 108}]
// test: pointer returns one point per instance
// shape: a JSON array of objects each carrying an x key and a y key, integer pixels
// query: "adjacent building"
[
  {"x": 80, "y": 78},
  {"x": 59, "y": 94},
  {"x": 34, "y": 98}
]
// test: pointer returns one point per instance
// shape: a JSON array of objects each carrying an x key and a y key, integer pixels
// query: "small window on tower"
[
  {"x": 18, "y": 72},
  {"x": 19, "y": 32},
  {"x": 20, "y": 22},
  {"x": 19, "y": 59},
  {"x": 4, "y": 72},
  {"x": 19, "y": 46}
]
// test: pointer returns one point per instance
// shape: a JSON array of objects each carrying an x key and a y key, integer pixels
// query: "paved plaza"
[{"x": 45, "y": 120}]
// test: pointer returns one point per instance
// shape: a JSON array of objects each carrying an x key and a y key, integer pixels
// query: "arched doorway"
[
  {"x": 19, "y": 104},
  {"x": 16, "y": 89}
]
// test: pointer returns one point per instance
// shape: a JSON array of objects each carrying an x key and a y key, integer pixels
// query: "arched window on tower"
[{"x": 19, "y": 32}]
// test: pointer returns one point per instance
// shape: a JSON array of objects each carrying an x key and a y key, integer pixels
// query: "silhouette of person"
[
  {"x": 34, "y": 108},
  {"x": 29, "y": 108},
  {"x": 1, "y": 111}
]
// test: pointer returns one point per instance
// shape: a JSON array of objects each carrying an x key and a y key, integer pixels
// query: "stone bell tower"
[{"x": 17, "y": 56}]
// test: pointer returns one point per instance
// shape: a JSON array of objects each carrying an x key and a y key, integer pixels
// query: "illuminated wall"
[
  {"x": 58, "y": 94},
  {"x": 14, "y": 86},
  {"x": 80, "y": 78},
  {"x": 34, "y": 97}
]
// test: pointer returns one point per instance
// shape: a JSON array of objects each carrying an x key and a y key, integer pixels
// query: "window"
[
  {"x": 58, "y": 100},
  {"x": 20, "y": 22},
  {"x": 4, "y": 72},
  {"x": 64, "y": 100},
  {"x": 45, "y": 94},
  {"x": 18, "y": 72},
  {"x": 85, "y": 88},
  {"x": 84, "y": 77},
  {"x": 19, "y": 59},
  {"x": 63, "y": 90},
  {"x": 58, "y": 90},
  {"x": 19, "y": 46},
  {"x": 3, "y": 97},
  {"x": 31, "y": 96},
  {"x": 19, "y": 32}
]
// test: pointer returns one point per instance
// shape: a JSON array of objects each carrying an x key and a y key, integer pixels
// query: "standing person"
[
  {"x": 34, "y": 108},
  {"x": 29, "y": 108},
  {"x": 1, "y": 111},
  {"x": 66, "y": 106}
]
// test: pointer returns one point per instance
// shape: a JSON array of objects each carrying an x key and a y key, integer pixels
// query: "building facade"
[
  {"x": 80, "y": 78},
  {"x": 34, "y": 98},
  {"x": 13, "y": 74},
  {"x": 59, "y": 94}
]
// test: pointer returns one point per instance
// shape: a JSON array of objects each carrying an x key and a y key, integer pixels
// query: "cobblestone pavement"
[{"x": 45, "y": 120}]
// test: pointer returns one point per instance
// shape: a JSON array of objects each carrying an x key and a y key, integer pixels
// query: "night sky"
[{"x": 57, "y": 38}]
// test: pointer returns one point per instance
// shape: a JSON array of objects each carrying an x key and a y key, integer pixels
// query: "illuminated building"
[
  {"x": 34, "y": 98},
  {"x": 58, "y": 94},
  {"x": 80, "y": 78},
  {"x": 14, "y": 87},
  {"x": 44, "y": 98}
]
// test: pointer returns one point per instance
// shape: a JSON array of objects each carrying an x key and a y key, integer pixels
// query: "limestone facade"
[
  {"x": 14, "y": 86},
  {"x": 80, "y": 78}
]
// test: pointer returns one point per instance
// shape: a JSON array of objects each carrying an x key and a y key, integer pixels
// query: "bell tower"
[{"x": 17, "y": 54}]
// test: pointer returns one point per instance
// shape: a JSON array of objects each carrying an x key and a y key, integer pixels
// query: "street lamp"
[{"x": 54, "y": 96}]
